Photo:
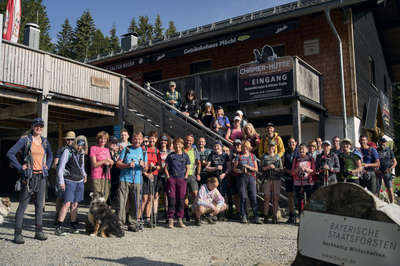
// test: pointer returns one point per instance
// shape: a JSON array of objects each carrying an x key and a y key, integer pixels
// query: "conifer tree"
[
  {"x": 83, "y": 36},
  {"x": 158, "y": 29},
  {"x": 145, "y": 30},
  {"x": 65, "y": 37},
  {"x": 171, "y": 30},
  {"x": 114, "y": 40},
  {"x": 99, "y": 45},
  {"x": 133, "y": 26}
]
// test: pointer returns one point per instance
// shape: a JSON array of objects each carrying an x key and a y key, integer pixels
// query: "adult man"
[
  {"x": 370, "y": 161},
  {"x": 233, "y": 178},
  {"x": 69, "y": 140},
  {"x": 271, "y": 135},
  {"x": 387, "y": 163},
  {"x": 194, "y": 173},
  {"x": 327, "y": 166},
  {"x": 203, "y": 155},
  {"x": 172, "y": 96},
  {"x": 350, "y": 163},
  {"x": 288, "y": 158},
  {"x": 336, "y": 145},
  {"x": 124, "y": 139},
  {"x": 132, "y": 162},
  {"x": 318, "y": 140}
]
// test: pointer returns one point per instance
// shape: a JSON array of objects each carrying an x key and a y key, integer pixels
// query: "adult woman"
[
  {"x": 115, "y": 150},
  {"x": 312, "y": 149},
  {"x": 177, "y": 166},
  {"x": 71, "y": 177},
  {"x": 272, "y": 169},
  {"x": 221, "y": 123},
  {"x": 190, "y": 106},
  {"x": 101, "y": 163},
  {"x": 251, "y": 135},
  {"x": 236, "y": 132},
  {"x": 208, "y": 115},
  {"x": 303, "y": 170},
  {"x": 246, "y": 165},
  {"x": 37, "y": 159},
  {"x": 163, "y": 144}
]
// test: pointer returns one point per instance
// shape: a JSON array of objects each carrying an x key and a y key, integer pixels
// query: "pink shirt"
[
  {"x": 100, "y": 154},
  {"x": 236, "y": 134}
]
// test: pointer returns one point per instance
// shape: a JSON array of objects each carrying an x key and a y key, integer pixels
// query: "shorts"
[
  {"x": 289, "y": 186},
  {"x": 59, "y": 192},
  {"x": 368, "y": 180},
  {"x": 148, "y": 185},
  {"x": 387, "y": 178},
  {"x": 73, "y": 191},
  {"x": 192, "y": 184}
]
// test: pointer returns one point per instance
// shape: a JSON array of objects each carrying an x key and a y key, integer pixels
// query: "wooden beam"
[
  {"x": 81, "y": 107},
  {"x": 101, "y": 122},
  {"x": 18, "y": 110},
  {"x": 309, "y": 113},
  {"x": 10, "y": 94},
  {"x": 296, "y": 106}
]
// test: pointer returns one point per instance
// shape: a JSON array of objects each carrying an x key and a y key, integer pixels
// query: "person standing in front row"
[
  {"x": 37, "y": 159},
  {"x": 101, "y": 162},
  {"x": 370, "y": 161},
  {"x": 327, "y": 166},
  {"x": 132, "y": 162},
  {"x": 388, "y": 162},
  {"x": 71, "y": 177},
  {"x": 177, "y": 168}
]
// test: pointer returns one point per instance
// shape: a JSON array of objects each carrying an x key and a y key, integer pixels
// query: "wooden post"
[
  {"x": 60, "y": 135},
  {"x": 43, "y": 108},
  {"x": 121, "y": 111},
  {"x": 296, "y": 120}
]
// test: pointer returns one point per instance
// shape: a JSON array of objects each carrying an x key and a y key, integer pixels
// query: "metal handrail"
[{"x": 183, "y": 116}]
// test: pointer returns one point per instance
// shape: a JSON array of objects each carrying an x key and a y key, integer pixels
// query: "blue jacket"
[{"x": 20, "y": 146}]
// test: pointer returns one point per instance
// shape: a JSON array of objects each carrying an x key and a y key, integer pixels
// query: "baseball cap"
[
  {"x": 383, "y": 139},
  {"x": 218, "y": 107},
  {"x": 70, "y": 135},
  {"x": 218, "y": 142},
  {"x": 237, "y": 141},
  {"x": 113, "y": 140},
  {"x": 81, "y": 142},
  {"x": 327, "y": 142},
  {"x": 164, "y": 138},
  {"x": 272, "y": 143},
  {"x": 237, "y": 118},
  {"x": 239, "y": 112},
  {"x": 38, "y": 121},
  {"x": 208, "y": 104},
  {"x": 269, "y": 124},
  {"x": 347, "y": 140},
  {"x": 172, "y": 83}
]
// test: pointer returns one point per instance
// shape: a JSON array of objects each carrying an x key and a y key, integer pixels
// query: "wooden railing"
[{"x": 35, "y": 69}]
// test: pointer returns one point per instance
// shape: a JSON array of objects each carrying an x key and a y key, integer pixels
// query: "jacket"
[
  {"x": 20, "y": 146},
  {"x": 263, "y": 147}
]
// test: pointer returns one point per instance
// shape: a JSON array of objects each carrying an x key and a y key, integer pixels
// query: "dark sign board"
[
  {"x": 226, "y": 40},
  {"x": 260, "y": 81}
]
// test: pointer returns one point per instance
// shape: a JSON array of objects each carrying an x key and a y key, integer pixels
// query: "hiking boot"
[
  {"x": 39, "y": 235},
  {"x": 187, "y": 216},
  {"x": 59, "y": 231},
  {"x": 74, "y": 226},
  {"x": 147, "y": 224},
  {"x": 133, "y": 228},
  {"x": 214, "y": 218},
  {"x": 180, "y": 223},
  {"x": 18, "y": 238},
  {"x": 257, "y": 220},
  {"x": 274, "y": 219},
  {"x": 197, "y": 222},
  {"x": 171, "y": 223},
  {"x": 291, "y": 220},
  {"x": 266, "y": 220},
  {"x": 222, "y": 217},
  {"x": 210, "y": 219},
  {"x": 244, "y": 220}
]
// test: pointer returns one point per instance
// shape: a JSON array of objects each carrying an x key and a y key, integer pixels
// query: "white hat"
[
  {"x": 237, "y": 118},
  {"x": 239, "y": 112}
]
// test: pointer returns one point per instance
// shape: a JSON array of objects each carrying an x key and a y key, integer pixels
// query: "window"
[
  {"x": 152, "y": 76},
  {"x": 371, "y": 70},
  {"x": 199, "y": 67}
]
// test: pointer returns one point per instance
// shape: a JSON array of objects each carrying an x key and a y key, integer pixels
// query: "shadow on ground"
[{"x": 133, "y": 261}]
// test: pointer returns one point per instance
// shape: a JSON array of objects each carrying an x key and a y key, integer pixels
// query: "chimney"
[
  {"x": 129, "y": 40},
  {"x": 32, "y": 35}
]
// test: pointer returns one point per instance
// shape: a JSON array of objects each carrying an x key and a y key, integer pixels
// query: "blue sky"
[{"x": 186, "y": 14}]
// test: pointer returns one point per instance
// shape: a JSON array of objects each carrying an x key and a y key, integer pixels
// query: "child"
[{"x": 209, "y": 200}]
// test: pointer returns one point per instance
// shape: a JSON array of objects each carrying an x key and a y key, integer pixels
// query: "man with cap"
[
  {"x": 327, "y": 166},
  {"x": 69, "y": 141},
  {"x": 387, "y": 163},
  {"x": 243, "y": 121},
  {"x": 370, "y": 161},
  {"x": 350, "y": 163},
  {"x": 271, "y": 135},
  {"x": 172, "y": 96}
]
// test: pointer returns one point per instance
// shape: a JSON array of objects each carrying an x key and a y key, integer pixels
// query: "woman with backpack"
[
  {"x": 272, "y": 169},
  {"x": 71, "y": 177},
  {"x": 190, "y": 106},
  {"x": 207, "y": 115},
  {"x": 221, "y": 123},
  {"x": 37, "y": 159},
  {"x": 246, "y": 165}
]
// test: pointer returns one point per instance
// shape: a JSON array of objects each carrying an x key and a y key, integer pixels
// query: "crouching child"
[{"x": 209, "y": 201}]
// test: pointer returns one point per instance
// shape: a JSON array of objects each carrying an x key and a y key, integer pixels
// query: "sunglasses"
[
  {"x": 39, "y": 125},
  {"x": 70, "y": 139}
]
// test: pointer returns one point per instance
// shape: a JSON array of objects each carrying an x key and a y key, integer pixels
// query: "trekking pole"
[
  {"x": 152, "y": 218},
  {"x": 326, "y": 173}
]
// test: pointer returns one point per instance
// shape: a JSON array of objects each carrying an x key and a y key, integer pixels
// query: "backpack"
[
  {"x": 252, "y": 159},
  {"x": 27, "y": 149},
  {"x": 69, "y": 156}
]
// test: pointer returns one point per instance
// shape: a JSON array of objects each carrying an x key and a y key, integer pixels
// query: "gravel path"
[{"x": 226, "y": 243}]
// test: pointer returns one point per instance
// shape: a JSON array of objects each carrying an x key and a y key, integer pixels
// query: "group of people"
[{"x": 134, "y": 172}]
